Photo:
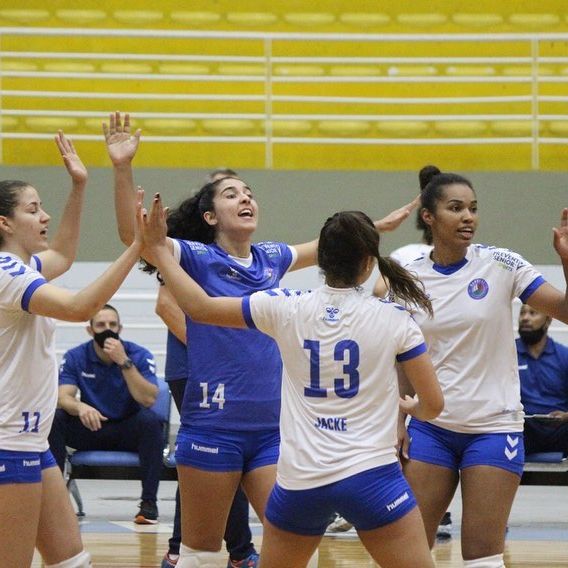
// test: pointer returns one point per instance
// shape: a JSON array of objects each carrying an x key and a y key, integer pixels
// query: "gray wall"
[{"x": 517, "y": 210}]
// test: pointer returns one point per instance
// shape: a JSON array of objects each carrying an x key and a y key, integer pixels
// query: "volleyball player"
[
  {"x": 229, "y": 424},
  {"x": 34, "y": 503},
  {"x": 478, "y": 437},
  {"x": 340, "y": 396}
]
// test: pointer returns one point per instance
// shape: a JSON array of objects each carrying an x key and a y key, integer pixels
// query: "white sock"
[
  {"x": 495, "y": 561},
  {"x": 190, "y": 558},
  {"x": 81, "y": 560}
]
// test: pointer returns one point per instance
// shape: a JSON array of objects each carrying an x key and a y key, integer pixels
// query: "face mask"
[
  {"x": 100, "y": 337},
  {"x": 532, "y": 336}
]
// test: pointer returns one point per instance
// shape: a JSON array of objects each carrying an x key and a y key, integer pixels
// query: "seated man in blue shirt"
[
  {"x": 117, "y": 384},
  {"x": 543, "y": 369}
]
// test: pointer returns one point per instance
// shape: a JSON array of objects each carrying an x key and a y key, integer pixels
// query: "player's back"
[{"x": 340, "y": 394}]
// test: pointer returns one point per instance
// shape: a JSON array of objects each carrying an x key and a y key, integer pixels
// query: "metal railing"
[{"x": 276, "y": 92}]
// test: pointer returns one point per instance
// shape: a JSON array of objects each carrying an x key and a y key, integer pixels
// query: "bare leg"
[
  {"x": 58, "y": 536},
  {"x": 434, "y": 486},
  {"x": 487, "y": 496},
  {"x": 401, "y": 544},
  {"x": 258, "y": 484},
  {"x": 19, "y": 510},
  {"x": 283, "y": 549},
  {"x": 206, "y": 498}
]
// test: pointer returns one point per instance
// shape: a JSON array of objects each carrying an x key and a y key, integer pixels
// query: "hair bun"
[{"x": 426, "y": 174}]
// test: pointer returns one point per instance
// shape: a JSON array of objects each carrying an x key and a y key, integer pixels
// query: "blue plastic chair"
[{"x": 117, "y": 459}]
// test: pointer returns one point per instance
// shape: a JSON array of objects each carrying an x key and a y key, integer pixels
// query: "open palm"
[
  {"x": 121, "y": 144},
  {"x": 71, "y": 159}
]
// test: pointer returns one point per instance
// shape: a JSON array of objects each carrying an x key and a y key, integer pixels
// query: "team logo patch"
[
  {"x": 331, "y": 314},
  {"x": 268, "y": 273},
  {"x": 478, "y": 289},
  {"x": 231, "y": 274}
]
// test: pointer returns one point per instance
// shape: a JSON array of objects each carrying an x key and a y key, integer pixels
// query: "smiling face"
[
  {"x": 25, "y": 230},
  {"x": 235, "y": 209},
  {"x": 454, "y": 219}
]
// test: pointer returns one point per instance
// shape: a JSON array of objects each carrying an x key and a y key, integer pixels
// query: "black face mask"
[
  {"x": 100, "y": 337},
  {"x": 532, "y": 336}
]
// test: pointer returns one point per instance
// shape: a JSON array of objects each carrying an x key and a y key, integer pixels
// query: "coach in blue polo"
[
  {"x": 117, "y": 383},
  {"x": 543, "y": 370}
]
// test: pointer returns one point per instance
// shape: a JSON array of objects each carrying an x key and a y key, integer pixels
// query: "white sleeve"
[
  {"x": 263, "y": 310},
  {"x": 412, "y": 341},
  {"x": 177, "y": 250},
  {"x": 526, "y": 278},
  {"x": 17, "y": 283}
]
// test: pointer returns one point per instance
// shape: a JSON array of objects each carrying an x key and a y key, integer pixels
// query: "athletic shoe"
[
  {"x": 168, "y": 561},
  {"x": 148, "y": 513},
  {"x": 248, "y": 562},
  {"x": 339, "y": 525},
  {"x": 445, "y": 526}
]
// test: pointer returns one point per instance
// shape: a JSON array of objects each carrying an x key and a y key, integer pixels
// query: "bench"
[{"x": 545, "y": 468}]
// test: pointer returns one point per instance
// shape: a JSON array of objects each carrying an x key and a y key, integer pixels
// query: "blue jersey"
[
  {"x": 234, "y": 375},
  {"x": 544, "y": 381},
  {"x": 176, "y": 359},
  {"x": 102, "y": 386}
]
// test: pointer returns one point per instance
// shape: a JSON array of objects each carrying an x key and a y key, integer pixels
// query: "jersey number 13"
[{"x": 345, "y": 350}]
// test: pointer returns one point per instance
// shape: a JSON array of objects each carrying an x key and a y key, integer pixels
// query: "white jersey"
[
  {"x": 471, "y": 337},
  {"x": 28, "y": 367},
  {"x": 408, "y": 253},
  {"x": 339, "y": 390}
]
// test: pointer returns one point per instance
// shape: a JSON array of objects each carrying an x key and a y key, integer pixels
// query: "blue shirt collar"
[
  {"x": 449, "y": 268},
  {"x": 523, "y": 348}
]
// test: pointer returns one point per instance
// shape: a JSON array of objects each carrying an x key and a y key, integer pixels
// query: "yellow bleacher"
[
  {"x": 171, "y": 77},
  {"x": 340, "y": 16}
]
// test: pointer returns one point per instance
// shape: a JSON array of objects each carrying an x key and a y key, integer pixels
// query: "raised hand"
[
  {"x": 560, "y": 239},
  {"x": 121, "y": 144},
  {"x": 396, "y": 217},
  {"x": 151, "y": 227},
  {"x": 71, "y": 159}
]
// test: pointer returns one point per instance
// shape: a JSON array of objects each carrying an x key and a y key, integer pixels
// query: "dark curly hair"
[{"x": 186, "y": 220}]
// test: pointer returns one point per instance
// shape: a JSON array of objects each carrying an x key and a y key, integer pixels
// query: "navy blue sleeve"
[{"x": 68, "y": 370}]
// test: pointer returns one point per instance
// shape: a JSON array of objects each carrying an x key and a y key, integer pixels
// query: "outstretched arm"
[
  {"x": 58, "y": 303},
  {"x": 547, "y": 299},
  {"x": 191, "y": 298},
  {"x": 308, "y": 252},
  {"x": 63, "y": 247},
  {"x": 122, "y": 147}
]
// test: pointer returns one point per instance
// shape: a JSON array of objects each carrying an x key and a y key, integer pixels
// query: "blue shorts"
[
  {"x": 219, "y": 450},
  {"x": 368, "y": 500},
  {"x": 456, "y": 451},
  {"x": 24, "y": 467}
]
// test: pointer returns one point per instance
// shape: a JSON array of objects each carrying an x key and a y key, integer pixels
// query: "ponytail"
[{"x": 403, "y": 284}]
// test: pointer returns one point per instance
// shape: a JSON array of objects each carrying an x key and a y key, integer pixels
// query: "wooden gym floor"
[{"x": 537, "y": 537}]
